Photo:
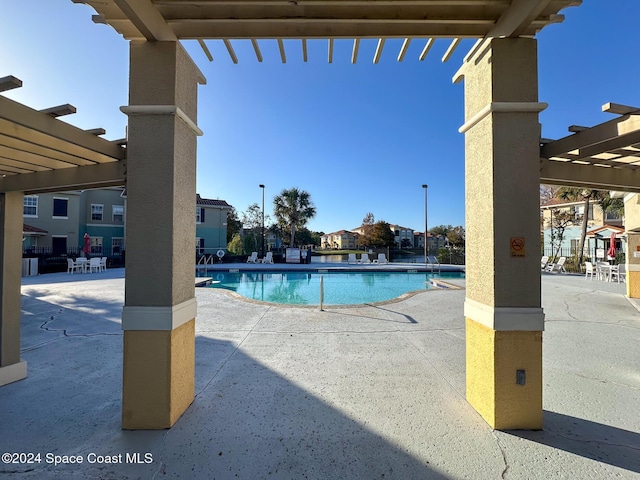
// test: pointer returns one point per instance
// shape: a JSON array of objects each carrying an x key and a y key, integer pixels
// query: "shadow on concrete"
[
  {"x": 247, "y": 420},
  {"x": 596, "y": 441},
  {"x": 344, "y": 312}
]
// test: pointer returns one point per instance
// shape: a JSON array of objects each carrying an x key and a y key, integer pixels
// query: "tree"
[
  {"x": 235, "y": 245},
  {"x": 456, "y": 237},
  {"x": 293, "y": 208},
  {"x": 586, "y": 195},
  {"x": 381, "y": 235},
  {"x": 252, "y": 221},
  {"x": 441, "y": 230},
  {"x": 233, "y": 224},
  {"x": 560, "y": 220}
]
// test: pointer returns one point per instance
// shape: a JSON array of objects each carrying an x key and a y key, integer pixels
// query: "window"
[
  {"x": 96, "y": 212},
  {"x": 199, "y": 215},
  {"x": 96, "y": 245},
  {"x": 30, "y": 206},
  {"x": 116, "y": 245},
  {"x": 60, "y": 207},
  {"x": 118, "y": 213}
]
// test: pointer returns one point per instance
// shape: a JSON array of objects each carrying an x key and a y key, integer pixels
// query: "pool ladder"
[{"x": 433, "y": 261}]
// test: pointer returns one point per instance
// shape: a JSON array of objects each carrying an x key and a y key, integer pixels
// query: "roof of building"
[
  {"x": 34, "y": 230},
  {"x": 340, "y": 232},
  {"x": 599, "y": 230},
  {"x": 211, "y": 202}
]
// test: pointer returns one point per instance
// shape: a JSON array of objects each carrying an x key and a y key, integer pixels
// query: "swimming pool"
[{"x": 340, "y": 288}]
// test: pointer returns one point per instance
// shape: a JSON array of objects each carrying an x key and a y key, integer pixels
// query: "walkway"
[{"x": 352, "y": 393}]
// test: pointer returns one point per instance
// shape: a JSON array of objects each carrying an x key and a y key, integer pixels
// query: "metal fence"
[{"x": 50, "y": 261}]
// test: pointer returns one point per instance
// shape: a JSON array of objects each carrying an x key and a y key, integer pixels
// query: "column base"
[
  {"x": 13, "y": 373},
  {"x": 494, "y": 387},
  {"x": 633, "y": 283},
  {"x": 158, "y": 376}
]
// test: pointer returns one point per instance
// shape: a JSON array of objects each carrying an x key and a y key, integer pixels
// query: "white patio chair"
[
  {"x": 602, "y": 271},
  {"x": 253, "y": 258},
  {"x": 590, "y": 270},
  {"x": 352, "y": 258},
  {"x": 618, "y": 272},
  {"x": 73, "y": 266},
  {"x": 94, "y": 265},
  {"x": 364, "y": 258},
  {"x": 103, "y": 264}
]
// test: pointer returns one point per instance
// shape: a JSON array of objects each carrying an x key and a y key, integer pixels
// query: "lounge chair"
[
  {"x": 382, "y": 258},
  {"x": 543, "y": 262},
  {"x": 253, "y": 258},
  {"x": 103, "y": 264},
  {"x": 557, "y": 267},
  {"x": 352, "y": 258},
  {"x": 364, "y": 258},
  {"x": 268, "y": 258}
]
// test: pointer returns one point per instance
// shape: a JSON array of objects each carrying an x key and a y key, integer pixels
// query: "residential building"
[
  {"x": 102, "y": 217},
  {"x": 340, "y": 240},
  {"x": 52, "y": 222},
  {"x": 403, "y": 236},
  {"x": 211, "y": 225},
  {"x": 436, "y": 242},
  {"x": 598, "y": 223},
  {"x": 57, "y": 222}
]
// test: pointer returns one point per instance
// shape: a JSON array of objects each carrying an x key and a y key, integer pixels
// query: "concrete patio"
[{"x": 348, "y": 393}]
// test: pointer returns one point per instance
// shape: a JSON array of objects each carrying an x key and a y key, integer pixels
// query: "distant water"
[{"x": 344, "y": 258}]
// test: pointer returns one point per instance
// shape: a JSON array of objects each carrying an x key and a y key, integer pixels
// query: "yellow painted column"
[
  {"x": 633, "y": 263},
  {"x": 160, "y": 308},
  {"x": 504, "y": 318},
  {"x": 12, "y": 368}
]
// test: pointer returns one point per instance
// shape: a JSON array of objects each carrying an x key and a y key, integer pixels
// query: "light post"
[
  {"x": 426, "y": 238},
  {"x": 262, "y": 247}
]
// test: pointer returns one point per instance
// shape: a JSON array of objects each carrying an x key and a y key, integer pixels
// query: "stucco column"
[
  {"x": 504, "y": 318},
  {"x": 11, "y": 367},
  {"x": 633, "y": 264},
  {"x": 160, "y": 307}
]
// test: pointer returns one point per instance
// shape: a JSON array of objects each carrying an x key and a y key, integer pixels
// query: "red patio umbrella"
[
  {"x": 611, "y": 253},
  {"x": 87, "y": 244}
]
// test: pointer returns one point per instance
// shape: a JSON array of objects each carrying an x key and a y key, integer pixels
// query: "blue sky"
[{"x": 359, "y": 138}]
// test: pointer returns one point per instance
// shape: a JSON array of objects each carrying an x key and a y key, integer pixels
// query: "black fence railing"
[{"x": 52, "y": 261}]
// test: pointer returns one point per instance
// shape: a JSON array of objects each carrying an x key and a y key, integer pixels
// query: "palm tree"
[{"x": 293, "y": 208}]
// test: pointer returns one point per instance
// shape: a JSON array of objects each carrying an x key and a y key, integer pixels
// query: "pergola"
[
  {"x": 40, "y": 153},
  {"x": 505, "y": 163}
]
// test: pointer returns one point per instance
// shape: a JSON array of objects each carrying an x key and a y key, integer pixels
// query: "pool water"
[{"x": 340, "y": 288}]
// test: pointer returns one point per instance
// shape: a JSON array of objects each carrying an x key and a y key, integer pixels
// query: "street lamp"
[
  {"x": 262, "y": 249},
  {"x": 426, "y": 240}
]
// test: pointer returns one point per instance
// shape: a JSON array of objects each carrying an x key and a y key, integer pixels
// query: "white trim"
[
  {"x": 505, "y": 318},
  {"x": 161, "y": 110},
  {"x": 503, "y": 107},
  {"x": 158, "y": 318},
  {"x": 13, "y": 373},
  {"x": 105, "y": 225},
  {"x": 633, "y": 267}
]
